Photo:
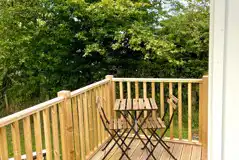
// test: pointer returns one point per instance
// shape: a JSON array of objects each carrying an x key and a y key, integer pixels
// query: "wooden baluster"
[
  {"x": 204, "y": 117},
  {"x": 4, "y": 144},
  {"x": 110, "y": 96},
  {"x": 200, "y": 111},
  {"x": 87, "y": 136},
  {"x": 153, "y": 96},
  {"x": 104, "y": 107},
  {"x": 102, "y": 127},
  {"x": 99, "y": 126},
  {"x": 145, "y": 96},
  {"x": 55, "y": 133},
  {"x": 136, "y": 90},
  {"x": 190, "y": 111},
  {"x": 114, "y": 97},
  {"x": 128, "y": 90},
  {"x": 81, "y": 127},
  {"x": 89, "y": 107},
  {"x": 180, "y": 111},
  {"x": 121, "y": 90},
  {"x": 47, "y": 133},
  {"x": 171, "y": 110},
  {"x": 161, "y": 99},
  {"x": 68, "y": 123},
  {"x": 93, "y": 99},
  {"x": 63, "y": 131},
  {"x": 27, "y": 137},
  {"x": 38, "y": 136},
  {"x": 76, "y": 128}
]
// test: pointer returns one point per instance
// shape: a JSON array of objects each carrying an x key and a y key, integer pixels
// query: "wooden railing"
[
  {"x": 68, "y": 127},
  {"x": 190, "y": 123}
]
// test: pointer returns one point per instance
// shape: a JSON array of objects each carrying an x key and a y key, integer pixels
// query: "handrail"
[
  {"x": 156, "y": 80},
  {"x": 86, "y": 88},
  {"x": 29, "y": 111}
]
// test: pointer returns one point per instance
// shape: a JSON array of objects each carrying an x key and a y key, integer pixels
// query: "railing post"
[
  {"x": 68, "y": 126},
  {"x": 111, "y": 92},
  {"x": 203, "y": 117}
]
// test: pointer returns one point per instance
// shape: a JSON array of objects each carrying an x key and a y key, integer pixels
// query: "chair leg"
[{"x": 162, "y": 144}]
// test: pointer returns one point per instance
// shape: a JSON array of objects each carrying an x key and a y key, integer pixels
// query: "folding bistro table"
[{"x": 134, "y": 109}]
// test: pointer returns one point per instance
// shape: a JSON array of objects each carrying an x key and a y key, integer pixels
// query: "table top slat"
[
  {"x": 147, "y": 104},
  {"x": 153, "y": 103},
  {"x": 117, "y": 104},
  {"x": 123, "y": 104},
  {"x": 141, "y": 104},
  {"x": 129, "y": 104},
  {"x": 135, "y": 104}
]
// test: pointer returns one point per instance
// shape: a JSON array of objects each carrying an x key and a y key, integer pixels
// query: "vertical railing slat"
[
  {"x": 136, "y": 90},
  {"x": 153, "y": 96},
  {"x": 108, "y": 99},
  {"x": 89, "y": 107},
  {"x": 76, "y": 128},
  {"x": 27, "y": 137},
  {"x": 113, "y": 97},
  {"x": 68, "y": 123},
  {"x": 102, "y": 127},
  {"x": 16, "y": 140},
  {"x": 81, "y": 127},
  {"x": 47, "y": 134},
  {"x": 38, "y": 135},
  {"x": 62, "y": 130},
  {"x": 190, "y": 111},
  {"x": 161, "y": 99},
  {"x": 121, "y": 90},
  {"x": 104, "y": 107},
  {"x": 86, "y": 122},
  {"x": 180, "y": 111},
  {"x": 4, "y": 144},
  {"x": 93, "y": 98},
  {"x": 171, "y": 110},
  {"x": 200, "y": 111},
  {"x": 128, "y": 90},
  {"x": 55, "y": 133}
]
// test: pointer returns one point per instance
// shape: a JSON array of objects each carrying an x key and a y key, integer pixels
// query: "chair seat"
[
  {"x": 155, "y": 123},
  {"x": 115, "y": 124}
]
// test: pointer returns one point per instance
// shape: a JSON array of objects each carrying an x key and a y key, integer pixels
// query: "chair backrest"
[
  {"x": 172, "y": 100},
  {"x": 101, "y": 112}
]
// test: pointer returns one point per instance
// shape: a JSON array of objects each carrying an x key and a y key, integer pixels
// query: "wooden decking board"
[
  {"x": 186, "y": 153},
  {"x": 165, "y": 155},
  {"x": 180, "y": 151},
  {"x": 158, "y": 152},
  {"x": 177, "y": 151},
  {"x": 196, "y": 153}
]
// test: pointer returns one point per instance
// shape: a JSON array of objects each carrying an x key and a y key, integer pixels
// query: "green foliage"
[{"x": 47, "y": 46}]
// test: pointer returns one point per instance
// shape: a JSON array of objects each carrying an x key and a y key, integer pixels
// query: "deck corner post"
[
  {"x": 204, "y": 116},
  {"x": 68, "y": 124},
  {"x": 111, "y": 93}
]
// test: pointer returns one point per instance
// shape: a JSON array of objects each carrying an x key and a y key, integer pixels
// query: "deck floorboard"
[{"x": 180, "y": 151}]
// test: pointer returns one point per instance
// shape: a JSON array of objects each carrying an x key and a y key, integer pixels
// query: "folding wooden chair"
[
  {"x": 114, "y": 127},
  {"x": 154, "y": 124}
]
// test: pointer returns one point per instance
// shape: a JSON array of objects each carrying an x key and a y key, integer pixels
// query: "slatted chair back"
[
  {"x": 173, "y": 101},
  {"x": 101, "y": 112}
]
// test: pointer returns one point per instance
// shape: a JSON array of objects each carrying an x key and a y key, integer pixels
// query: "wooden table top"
[{"x": 135, "y": 104}]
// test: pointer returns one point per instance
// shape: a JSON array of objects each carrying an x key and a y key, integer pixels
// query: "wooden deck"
[{"x": 180, "y": 151}]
